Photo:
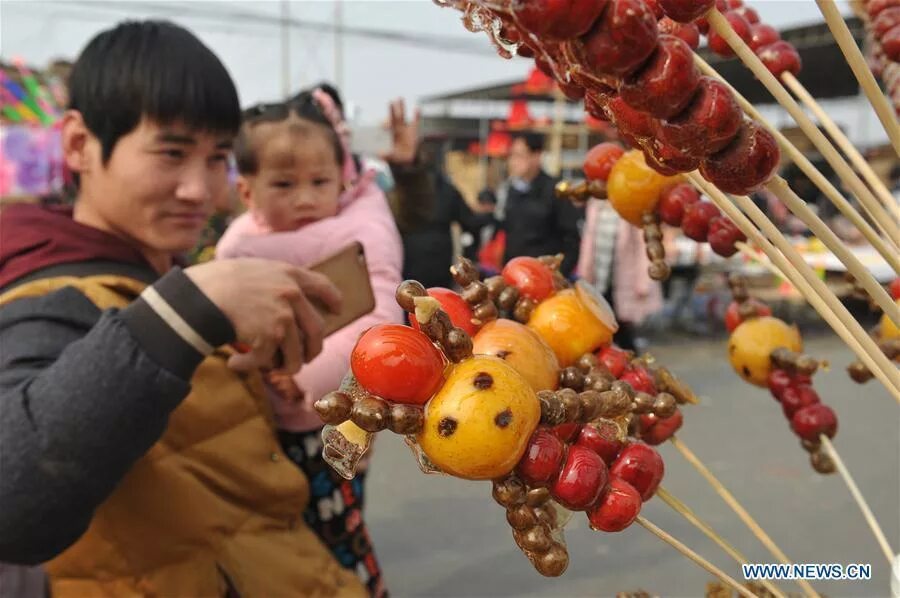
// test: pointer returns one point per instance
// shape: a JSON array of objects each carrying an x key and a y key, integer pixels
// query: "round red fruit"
[
  {"x": 685, "y": 11},
  {"x": 459, "y": 311},
  {"x": 733, "y": 317},
  {"x": 602, "y": 438},
  {"x": 780, "y": 57},
  {"x": 641, "y": 466},
  {"x": 600, "y": 159},
  {"x": 530, "y": 276},
  {"x": 639, "y": 379},
  {"x": 724, "y": 235},
  {"x": 557, "y": 19},
  {"x": 697, "y": 216},
  {"x": 661, "y": 430},
  {"x": 797, "y": 397},
  {"x": 619, "y": 506},
  {"x": 709, "y": 122},
  {"x": 746, "y": 164},
  {"x": 779, "y": 381},
  {"x": 748, "y": 13},
  {"x": 740, "y": 25},
  {"x": 688, "y": 32},
  {"x": 811, "y": 421},
  {"x": 762, "y": 35},
  {"x": 542, "y": 459},
  {"x": 615, "y": 359},
  {"x": 667, "y": 81},
  {"x": 567, "y": 432},
  {"x": 894, "y": 288},
  {"x": 621, "y": 40},
  {"x": 397, "y": 363},
  {"x": 581, "y": 480},
  {"x": 673, "y": 201}
]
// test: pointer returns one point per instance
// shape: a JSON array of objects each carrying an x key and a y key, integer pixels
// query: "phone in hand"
[{"x": 348, "y": 271}]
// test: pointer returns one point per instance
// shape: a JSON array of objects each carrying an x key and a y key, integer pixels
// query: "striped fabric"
[{"x": 604, "y": 246}]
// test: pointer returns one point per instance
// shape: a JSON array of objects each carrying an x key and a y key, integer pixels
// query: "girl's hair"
[{"x": 303, "y": 106}]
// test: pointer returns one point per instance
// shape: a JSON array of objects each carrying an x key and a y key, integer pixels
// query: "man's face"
[
  {"x": 523, "y": 163},
  {"x": 158, "y": 187}
]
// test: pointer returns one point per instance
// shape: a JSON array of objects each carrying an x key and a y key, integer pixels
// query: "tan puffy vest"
[{"x": 215, "y": 500}]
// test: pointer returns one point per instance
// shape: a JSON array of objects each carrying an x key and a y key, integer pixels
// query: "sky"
[{"x": 441, "y": 55}]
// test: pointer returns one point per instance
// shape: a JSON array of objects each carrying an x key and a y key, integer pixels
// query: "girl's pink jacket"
[{"x": 364, "y": 217}]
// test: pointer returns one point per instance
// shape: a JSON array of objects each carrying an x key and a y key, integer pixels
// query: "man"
[
  {"x": 536, "y": 223},
  {"x": 136, "y": 458}
]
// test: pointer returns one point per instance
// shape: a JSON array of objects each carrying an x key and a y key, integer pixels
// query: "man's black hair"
[
  {"x": 302, "y": 105},
  {"x": 152, "y": 69},
  {"x": 534, "y": 141}
]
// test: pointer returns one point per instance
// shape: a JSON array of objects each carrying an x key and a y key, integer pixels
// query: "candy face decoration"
[
  {"x": 751, "y": 344},
  {"x": 479, "y": 423}
]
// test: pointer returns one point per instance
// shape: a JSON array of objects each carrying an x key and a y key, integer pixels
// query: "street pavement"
[{"x": 441, "y": 536}]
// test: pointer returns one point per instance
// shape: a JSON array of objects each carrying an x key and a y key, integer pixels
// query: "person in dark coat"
[{"x": 535, "y": 221}]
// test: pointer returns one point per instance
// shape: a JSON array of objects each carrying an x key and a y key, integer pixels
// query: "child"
[{"x": 305, "y": 202}]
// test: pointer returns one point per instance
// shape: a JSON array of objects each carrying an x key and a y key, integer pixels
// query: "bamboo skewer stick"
[
  {"x": 844, "y": 144},
  {"x": 723, "y": 28},
  {"x": 858, "y": 497},
  {"x": 739, "y": 510},
  {"x": 683, "y": 510},
  {"x": 705, "y": 564},
  {"x": 783, "y": 191},
  {"x": 857, "y": 63},
  {"x": 786, "y": 259},
  {"x": 891, "y": 253}
]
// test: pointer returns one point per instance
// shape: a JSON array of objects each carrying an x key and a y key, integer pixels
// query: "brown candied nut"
[
  {"x": 586, "y": 362},
  {"x": 537, "y": 497},
  {"x": 664, "y": 405},
  {"x": 534, "y": 539},
  {"x": 571, "y": 404},
  {"x": 509, "y": 492},
  {"x": 806, "y": 365},
  {"x": 485, "y": 312},
  {"x": 508, "y": 297},
  {"x": 821, "y": 462},
  {"x": 495, "y": 286},
  {"x": 552, "y": 261},
  {"x": 554, "y": 562},
  {"x": 406, "y": 419},
  {"x": 666, "y": 381},
  {"x": 371, "y": 414},
  {"x": 546, "y": 516},
  {"x": 859, "y": 373},
  {"x": 811, "y": 446},
  {"x": 614, "y": 403},
  {"x": 553, "y": 412},
  {"x": 407, "y": 292},
  {"x": 655, "y": 251},
  {"x": 523, "y": 310},
  {"x": 643, "y": 402},
  {"x": 457, "y": 345},
  {"x": 571, "y": 377},
  {"x": 659, "y": 270},
  {"x": 591, "y": 404},
  {"x": 599, "y": 380},
  {"x": 560, "y": 282},
  {"x": 521, "y": 517},
  {"x": 475, "y": 293},
  {"x": 464, "y": 272},
  {"x": 334, "y": 408}
]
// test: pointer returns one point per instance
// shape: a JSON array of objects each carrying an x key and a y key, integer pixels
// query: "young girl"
[{"x": 305, "y": 202}]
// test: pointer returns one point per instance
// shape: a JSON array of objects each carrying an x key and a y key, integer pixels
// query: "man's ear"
[
  {"x": 245, "y": 192},
  {"x": 75, "y": 142}
]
